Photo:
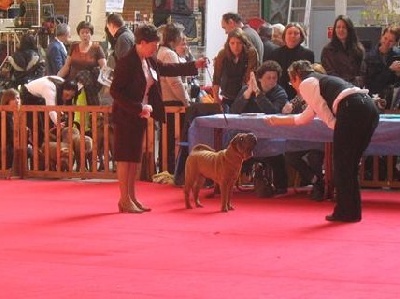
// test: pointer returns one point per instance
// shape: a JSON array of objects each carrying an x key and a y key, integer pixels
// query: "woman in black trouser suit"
[{"x": 353, "y": 116}]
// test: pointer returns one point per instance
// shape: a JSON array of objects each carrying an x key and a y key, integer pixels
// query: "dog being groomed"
[{"x": 223, "y": 167}]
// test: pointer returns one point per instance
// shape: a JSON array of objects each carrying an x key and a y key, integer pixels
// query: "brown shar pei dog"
[
  {"x": 223, "y": 167},
  {"x": 53, "y": 150}
]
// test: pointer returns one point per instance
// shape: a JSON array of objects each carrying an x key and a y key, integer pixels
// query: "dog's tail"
[{"x": 202, "y": 147}]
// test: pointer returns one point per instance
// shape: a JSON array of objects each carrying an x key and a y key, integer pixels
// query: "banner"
[
  {"x": 114, "y": 6},
  {"x": 93, "y": 11}
]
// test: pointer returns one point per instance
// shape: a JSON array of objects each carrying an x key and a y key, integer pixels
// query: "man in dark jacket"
[
  {"x": 56, "y": 53},
  {"x": 123, "y": 36}
]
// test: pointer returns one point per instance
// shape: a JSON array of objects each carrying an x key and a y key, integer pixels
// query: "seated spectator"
[
  {"x": 383, "y": 66},
  {"x": 383, "y": 79},
  {"x": 262, "y": 94}
]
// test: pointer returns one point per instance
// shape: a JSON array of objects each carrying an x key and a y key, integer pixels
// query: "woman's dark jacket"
[
  {"x": 129, "y": 84},
  {"x": 285, "y": 56},
  {"x": 346, "y": 64}
]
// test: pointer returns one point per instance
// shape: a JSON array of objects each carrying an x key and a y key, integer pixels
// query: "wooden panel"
[{"x": 37, "y": 162}]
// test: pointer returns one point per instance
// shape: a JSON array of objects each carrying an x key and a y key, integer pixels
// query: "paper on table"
[{"x": 251, "y": 114}]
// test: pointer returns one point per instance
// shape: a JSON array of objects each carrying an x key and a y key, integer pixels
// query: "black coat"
[
  {"x": 285, "y": 56},
  {"x": 129, "y": 84}
]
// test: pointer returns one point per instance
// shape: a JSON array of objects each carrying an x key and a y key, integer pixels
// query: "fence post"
[{"x": 17, "y": 159}]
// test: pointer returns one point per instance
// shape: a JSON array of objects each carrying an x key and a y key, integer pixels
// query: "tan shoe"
[
  {"x": 140, "y": 205},
  {"x": 128, "y": 206}
]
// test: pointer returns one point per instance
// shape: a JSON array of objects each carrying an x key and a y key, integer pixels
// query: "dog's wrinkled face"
[
  {"x": 244, "y": 143},
  {"x": 64, "y": 157}
]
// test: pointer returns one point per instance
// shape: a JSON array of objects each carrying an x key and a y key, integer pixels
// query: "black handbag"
[
  {"x": 194, "y": 85},
  {"x": 262, "y": 181}
]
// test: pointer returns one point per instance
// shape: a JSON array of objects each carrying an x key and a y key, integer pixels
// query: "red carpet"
[{"x": 65, "y": 239}]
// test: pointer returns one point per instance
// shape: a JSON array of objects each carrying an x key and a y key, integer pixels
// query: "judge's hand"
[
  {"x": 273, "y": 120},
  {"x": 269, "y": 120}
]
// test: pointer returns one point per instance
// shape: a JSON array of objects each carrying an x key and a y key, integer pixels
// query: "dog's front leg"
[
  {"x": 226, "y": 195},
  {"x": 229, "y": 204},
  {"x": 226, "y": 190}
]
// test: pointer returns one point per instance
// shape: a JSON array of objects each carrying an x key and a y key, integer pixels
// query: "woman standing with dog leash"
[
  {"x": 352, "y": 115},
  {"x": 137, "y": 96},
  {"x": 232, "y": 68}
]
